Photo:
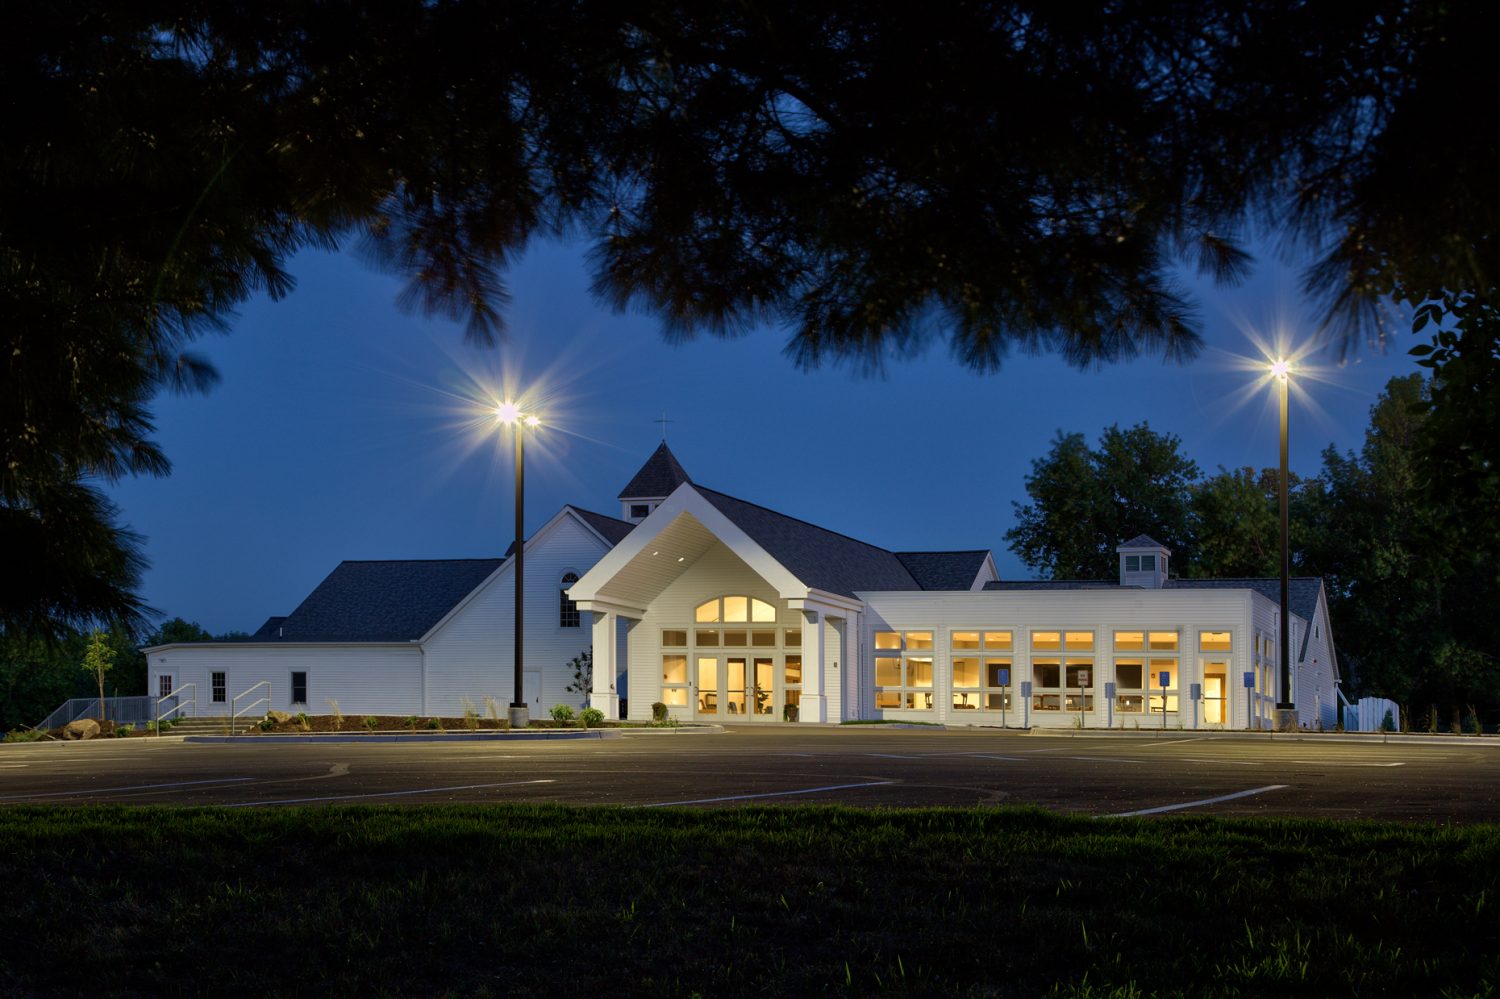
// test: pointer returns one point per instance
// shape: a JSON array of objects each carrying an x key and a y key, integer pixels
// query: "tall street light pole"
[
  {"x": 1286, "y": 711},
  {"x": 511, "y": 415}
]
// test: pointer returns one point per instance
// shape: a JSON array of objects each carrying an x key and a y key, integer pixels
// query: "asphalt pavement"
[{"x": 874, "y": 767}]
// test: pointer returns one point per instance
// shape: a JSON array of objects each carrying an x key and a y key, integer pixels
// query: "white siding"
[
  {"x": 1317, "y": 701},
  {"x": 1101, "y": 611},
  {"x": 472, "y": 654},
  {"x": 364, "y": 679}
]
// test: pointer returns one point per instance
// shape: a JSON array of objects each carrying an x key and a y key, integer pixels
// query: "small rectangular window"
[
  {"x": 1148, "y": 563},
  {"x": 299, "y": 688},
  {"x": 1132, "y": 563},
  {"x": 164, "y": 685},
  {"x": 919, "y": 640},
  {"x": 1128, "y": 674},
  {"x": 794, "y": 638},
  {"x": 888, "y": 639},
  {"x": 1214, "y": 641},
  {"x": 1046, "y": 674},
  {"x": 639, "y": 510},
  {"x": 997, "y": 641},
  {"x": 966, "y": 672},
  {"x": 763, "y": 639},
  {"x": 1130, "y": 641},
  {"x": 736, "y": 639},
  {"x": 217, "y": 684},
  {"x": 1163, "y": 641},
  {"x": 1079, "y": 641},
  {"x": 674, "y": 669},
  {"x": 1049, "y": 641},
  {"x": 966, "y": 640},
  {"x": 674, "y": 639},
  {"x": 707, "y": 637},
  {"x": 887, "y": 672}
]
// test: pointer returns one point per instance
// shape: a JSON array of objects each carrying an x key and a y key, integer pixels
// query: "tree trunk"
[{"x": 101, "y": 697}]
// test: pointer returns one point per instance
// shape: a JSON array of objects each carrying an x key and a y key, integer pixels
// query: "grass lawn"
[{"x": 750, "y": 901}]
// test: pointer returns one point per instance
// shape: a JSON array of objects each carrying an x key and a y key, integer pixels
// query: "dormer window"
[
  {"x": 639, "y": 511},
  {"x": 1140, "y": 563}
]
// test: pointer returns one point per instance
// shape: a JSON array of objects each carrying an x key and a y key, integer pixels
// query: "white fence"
[
  {"x": 1370, "y": 713},
  {"x": 136, "y": 710}
]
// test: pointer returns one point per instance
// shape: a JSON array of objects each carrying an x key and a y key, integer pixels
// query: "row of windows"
[
  {"x": 732, "y": 638},
  {"x": 218, "y": 685},
  {"x": 1051, "y": 641}
]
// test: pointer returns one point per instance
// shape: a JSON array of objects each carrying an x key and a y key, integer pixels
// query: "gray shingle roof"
[
  {"x": 612, "y": 528},
  {"x": 268, "y": 630},
  {"x": 821, "y": 558},
  {"x": 383, "y": 601},
  {"x": 1143, "y": 541},
  {"x": 1052, "y": 584},
  {"x": 658, "y": 476},
  {"x": 944, "y": 570},
  {"x": 1301, "y": 597}
]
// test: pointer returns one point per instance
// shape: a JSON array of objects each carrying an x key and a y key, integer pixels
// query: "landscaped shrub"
[
  {"x": 658, "y": 712},
  {"x": 24, "y": 735},
  {"x": 305, "y": 720},
  {"x": 434, "y": 723},
  {"x": 267, "y": 724},
  {"x": 338, "y": 716},
  {"x": 371, "y": 721},
  {"x": 471, "y": 716},
  {"x": 1387, "y": 724},
  {"x": 562, "y": 712},
  {"x": 411, "y": 722},
  {"x": 592, "y": 716}
]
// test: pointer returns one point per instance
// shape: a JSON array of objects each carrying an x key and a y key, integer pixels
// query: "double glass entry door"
[{"x": 736, "y": 688}]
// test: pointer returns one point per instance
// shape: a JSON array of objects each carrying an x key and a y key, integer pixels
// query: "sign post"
[
  {"x": 1166, "y": 681},
  {"x": 1249, "y": 700},
  {"x": 1195, "y": 694},
  {"x": 1109, "y": 704},
  {"x": 1026, "y": 703},
  {"x": 1083, "y": 686}
]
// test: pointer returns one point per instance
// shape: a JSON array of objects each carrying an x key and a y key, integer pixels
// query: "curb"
[
  {"x": 354, "y": 737},
  {"x": 1365, "y": 738}
]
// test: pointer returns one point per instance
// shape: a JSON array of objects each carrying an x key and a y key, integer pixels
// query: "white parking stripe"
[
  {"x": 766, "y": 794},
  {"x": 383, "y": 794},
  {"x": 890, "y": 756},
  {"x": 1094, "y": 759},
  {"x": 988, "y": 756},
  {"x": 1343, "y": 763},
  {"x": 1195, "y": 804},
  {"x": 1233, "y": 763},
  {"x": 133, "y": 787}
]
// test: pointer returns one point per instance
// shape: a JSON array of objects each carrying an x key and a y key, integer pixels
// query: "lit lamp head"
[
  {"x": 1280, "y": 369},
  {"x": 533, "y": 422},
  {"x": 507, "y": 412}
]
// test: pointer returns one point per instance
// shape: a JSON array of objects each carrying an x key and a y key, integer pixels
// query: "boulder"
[
  {"x": 279, "y": 717},
  {"x": 81, "y": 728}
]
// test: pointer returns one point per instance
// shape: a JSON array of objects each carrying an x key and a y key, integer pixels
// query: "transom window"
[
  {"x": 1140, "y": 641},
  {"x": 735, "y": 610},
  {"x": 1214, "y": 641},
  {"x": 903, "y": 681},
  {"x": 567, "y": 614}
]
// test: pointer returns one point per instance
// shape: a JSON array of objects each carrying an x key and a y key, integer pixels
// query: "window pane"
[
  {"x": 888, "y": 639},
  {"x": 674, "y": 669},
  {"x": 1070, "y": 702},
  {"x": 887, "y": 672},
  {"x": 707, "y": 613},
  {"x": 1080, "y": 641},
  {"x": 1046, "y": 674},
  {"x": 997, "y": 640},
  {"x": 1148, "y": 563},
  {"x": 762, "y": 612},
  {"x": 736, "y": 639},
  {"x": 707, "y": 637},
  {"x": 763, "y": 639},
  {"x": 966, "y": 700},
  {"x": 1155, "y": 703},
  {"x": 966, "y": 672},
  {"x": 1128, "y": 673},
  {"x": 966, "y": 639},
  {"x": 1130, "y": 641},
  {"x": 1164, "y": 666},
  {"x": 1213, "y": 641},
  {"x": 1080, "y": 674},
  {"x": 887, "y": 698},
  {"x": 736, "y": 609},
  {"x": 1132, "y": 563},
  {"x": 1129, "y": 703},
  {"x": 793, "y": 669},
  {"x": 919, "y": 672},
  {"x": 674, "y": 697},
  {"x": 998, "y": 702},
  {"x": 1046, "y": 702},
  {"x": 1164, "y": 641},
  {"x": 1046, "y": 640},
  {"x": 997, "y": 672},
  {"x": 794, "y": 638},
  {"x": 919, "y": 639},
  {"x": 674, "y": 639}
]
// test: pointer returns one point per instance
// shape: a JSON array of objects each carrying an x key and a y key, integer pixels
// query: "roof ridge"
[
  {"x": 388, "y": 561},
  {"x": 806, "y": 523},
  {"x": 596, "y": 513},
  {"x": 948, "y": 551}
]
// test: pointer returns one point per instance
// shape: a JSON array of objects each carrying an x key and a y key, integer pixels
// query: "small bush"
[
  {"x": 338, "y": 716},
  {"x": 411, "y": 722},
  {"x": 121, "y": 731},
  {"x": 471, "y": 716},
  {"x": 1387, "y": 724},
  {"x": 266, "y": 724},
  {"x": 305, "y": 720},
  {"x": 658, "y": 712},
  {"x": 667, "y": 722},
  {"x": 371, "y": 722},
  {"x": 151, "y": 726},
  {"x": 592, "y": 716},
  {"x": 434, "y": 724},
  {"x": 24, "y": 735},
  {"x": 562, "y": 712}
]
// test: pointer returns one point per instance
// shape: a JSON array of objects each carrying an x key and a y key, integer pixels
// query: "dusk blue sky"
[{"x": 345, "y": 429}]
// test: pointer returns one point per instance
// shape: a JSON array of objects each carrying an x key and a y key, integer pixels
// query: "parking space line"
[
  {"x": 766, "y": 794},
  {"x": 989, "y": 756},
  {"x": 893, "y": 756},
  {"x": 1342, "y": 763},
  {"x": 133, "y": 787},
  {"x": 1103, "y": 759},
  {"x": 1169, "y": 742},
  {"x": 1232, "y": 763},
  {"x": 1194, "y": 804},
  {"x": 383, "y": 794}
]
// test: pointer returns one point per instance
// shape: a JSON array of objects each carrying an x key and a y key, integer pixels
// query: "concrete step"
[{"x": 206, "y": 726}]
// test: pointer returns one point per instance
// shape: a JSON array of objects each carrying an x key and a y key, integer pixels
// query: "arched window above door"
[{"x": 735, "y": 610}]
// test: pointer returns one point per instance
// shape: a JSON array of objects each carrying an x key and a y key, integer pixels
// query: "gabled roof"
[
  {"x": 1142, "y": 541},
  {"x": 269, "y": 629},
  {"x": 835, "y": 563},
  {"x": 661, "y": 474},
  {"x": 1053, "y": 584},
  {"x": 944, "y": 570},
  {"x": 394, "y": 601},
  {"x": 612, "y": 529}
]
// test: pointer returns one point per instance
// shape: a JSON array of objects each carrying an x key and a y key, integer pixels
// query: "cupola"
[
  {"x": 656, "y": 480},
  {"x": 1143, "y": 563}
]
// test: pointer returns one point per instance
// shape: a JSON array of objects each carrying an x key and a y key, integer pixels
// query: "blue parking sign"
[{"x": 1166, "y": 678}]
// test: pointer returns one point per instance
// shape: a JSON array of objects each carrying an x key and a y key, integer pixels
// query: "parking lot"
[{"x": 1151, "y": 774}]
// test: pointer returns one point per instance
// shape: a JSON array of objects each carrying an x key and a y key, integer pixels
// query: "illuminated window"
[
  {"x": 707, "y": 613},
  {"x": 706, "y": 637},
  {"x": 1079, "y": 641},
  {"x": 966, "y": 683},
  {"x": 1046, "y": 641},
  {"x": 791, "y": 687},
  {"x": 919, "y": 640},
  {"x": 966, "y": 640},
  {"x": 1214, "y": 641},
  {"x": 736, "y": 610},
  {"x": 674, "y": 669},
  {"x": 888, "y": 639},
  {"x": 1130, "y": 641},
  {"x": 997, "y": 641},
  {"x": 1163, "y": 641},
  {"x": 903, "y": 682},
  {"x": 674, "y": 639},
  {"x": 762, "y": 612},
  {"x": 567, "y": 613}
]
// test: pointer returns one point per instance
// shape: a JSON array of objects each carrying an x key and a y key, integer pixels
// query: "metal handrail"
[
  {"x": 178, "y": 706},
  {"x": 234, "y": 714}
]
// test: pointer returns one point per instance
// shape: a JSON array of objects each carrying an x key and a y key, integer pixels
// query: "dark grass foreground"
[{"x": 794, "y": 901}]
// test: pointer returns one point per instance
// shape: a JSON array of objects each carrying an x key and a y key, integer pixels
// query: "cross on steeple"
[{"x": 664, "y": 421}]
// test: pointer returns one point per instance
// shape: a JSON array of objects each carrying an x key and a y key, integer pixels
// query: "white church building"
[{"x": 725, "y": 611}]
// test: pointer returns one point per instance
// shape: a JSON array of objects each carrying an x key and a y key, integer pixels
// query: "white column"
[
  {"x": 604, "y": 696},
  {"x": 814, "y": 704}
]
